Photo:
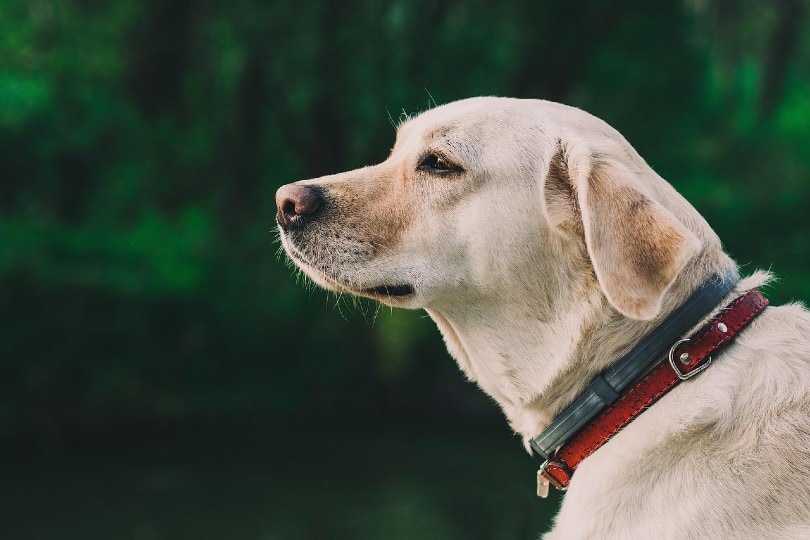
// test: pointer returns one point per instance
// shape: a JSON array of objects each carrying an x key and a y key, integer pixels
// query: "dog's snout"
[{"x": 295, "y": 201}]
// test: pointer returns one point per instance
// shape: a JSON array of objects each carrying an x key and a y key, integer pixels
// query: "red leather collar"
[{"x": 687, "y": 358}]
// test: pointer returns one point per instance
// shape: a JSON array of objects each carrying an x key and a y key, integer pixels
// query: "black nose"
[{"x": 295, "y": 202}]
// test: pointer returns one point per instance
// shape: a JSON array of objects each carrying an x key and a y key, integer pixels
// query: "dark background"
[{"x": 162, "y": 375}]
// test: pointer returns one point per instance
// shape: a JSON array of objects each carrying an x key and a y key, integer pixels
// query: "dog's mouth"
[
  {"x": 380, "y": 292},
  {"x": 391, "y": 291}
]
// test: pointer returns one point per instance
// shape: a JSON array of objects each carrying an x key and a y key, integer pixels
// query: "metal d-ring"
[{"x": 681, "y": 375}]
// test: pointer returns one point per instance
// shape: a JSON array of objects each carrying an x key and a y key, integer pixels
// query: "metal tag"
[{"x": 542, "y": 485}]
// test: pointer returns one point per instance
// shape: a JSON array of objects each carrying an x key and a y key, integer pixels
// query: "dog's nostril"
[
  {"x": 295, "y": 200},
  {"x": 288, "y": 208}
]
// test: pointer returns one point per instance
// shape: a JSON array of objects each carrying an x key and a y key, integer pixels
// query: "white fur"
[{"x": 554, "y": 252}]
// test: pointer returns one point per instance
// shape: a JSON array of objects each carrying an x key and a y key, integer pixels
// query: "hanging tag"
[{"x": 542, "y": 485}]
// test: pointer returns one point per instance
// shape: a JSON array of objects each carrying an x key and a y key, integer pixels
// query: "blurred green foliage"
[{"x": 142, "y": 142}]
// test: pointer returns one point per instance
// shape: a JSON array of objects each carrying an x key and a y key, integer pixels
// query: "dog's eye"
[{"x": 436, "y": 164}]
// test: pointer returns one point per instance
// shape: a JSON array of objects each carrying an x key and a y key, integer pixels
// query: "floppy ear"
[{"x": 636, "y": 246}]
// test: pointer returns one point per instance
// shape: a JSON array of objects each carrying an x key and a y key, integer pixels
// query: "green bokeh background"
[{"x": 162, "y": 374}]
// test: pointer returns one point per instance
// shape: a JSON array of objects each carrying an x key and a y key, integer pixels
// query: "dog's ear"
[{"x": 636, "y": 246}]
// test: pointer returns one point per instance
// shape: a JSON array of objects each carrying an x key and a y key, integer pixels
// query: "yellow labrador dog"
[{"x": 545, "y": 248}]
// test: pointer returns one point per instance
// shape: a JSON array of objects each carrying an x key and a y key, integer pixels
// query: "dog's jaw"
[{"x": 395, "y": 291}]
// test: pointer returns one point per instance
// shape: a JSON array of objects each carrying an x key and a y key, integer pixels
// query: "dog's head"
[{"x": 494, "y": 196}]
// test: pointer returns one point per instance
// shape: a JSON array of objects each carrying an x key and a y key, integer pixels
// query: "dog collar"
[{"x": 613, "y": 398}]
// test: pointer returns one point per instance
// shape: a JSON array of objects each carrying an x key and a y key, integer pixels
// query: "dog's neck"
[{"x": 548, "y": 346}]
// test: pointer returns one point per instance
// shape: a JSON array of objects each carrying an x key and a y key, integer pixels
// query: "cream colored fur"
[{"x": 543, "y": 256}]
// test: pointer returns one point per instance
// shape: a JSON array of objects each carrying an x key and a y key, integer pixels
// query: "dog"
[{"x": 544, "y": 247}]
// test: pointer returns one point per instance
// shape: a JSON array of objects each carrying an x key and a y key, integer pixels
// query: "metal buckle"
[
  {"x": 681, "y": 375},
  {"x": 544, "y": 480}
]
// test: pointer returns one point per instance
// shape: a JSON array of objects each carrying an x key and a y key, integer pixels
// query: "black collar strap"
[{"x": 606, "y": 388}]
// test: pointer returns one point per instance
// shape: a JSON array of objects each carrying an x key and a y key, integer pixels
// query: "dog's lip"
[
  {"x": 391, "y": 291},
  {"x": 400, "y": 290}
]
